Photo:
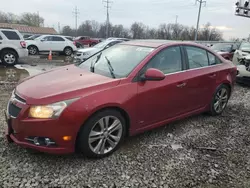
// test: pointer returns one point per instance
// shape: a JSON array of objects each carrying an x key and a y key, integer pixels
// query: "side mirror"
[
  {"x": 42, "y": 40},
  {"x": 153, "y": 75}
]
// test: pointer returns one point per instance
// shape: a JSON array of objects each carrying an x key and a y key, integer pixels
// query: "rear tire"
[
  {"x": 9, "y": 57},
  {"x": 219, "y": 100},
  {"x": 102, "y": 134}
]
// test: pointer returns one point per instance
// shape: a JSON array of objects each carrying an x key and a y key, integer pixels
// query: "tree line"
[
  {"x": 30, "y": 19},
  {"x": 139, "y": 30}
]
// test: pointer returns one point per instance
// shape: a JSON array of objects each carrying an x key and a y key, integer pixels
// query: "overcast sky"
[{"x": 220, "y": 13}]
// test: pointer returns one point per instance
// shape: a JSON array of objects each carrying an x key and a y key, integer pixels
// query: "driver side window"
[{"x": 168, "y": 60}]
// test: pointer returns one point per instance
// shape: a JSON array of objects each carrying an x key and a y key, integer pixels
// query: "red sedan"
[{"x": 124, "y": 90}]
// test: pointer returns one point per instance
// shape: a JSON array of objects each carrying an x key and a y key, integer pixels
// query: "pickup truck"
[{"x": 84, "y": 40}]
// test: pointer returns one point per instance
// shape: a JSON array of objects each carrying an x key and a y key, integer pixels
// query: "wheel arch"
[
  {"x": 12, "y": 49},
  {"x": 117, "y": 108}
]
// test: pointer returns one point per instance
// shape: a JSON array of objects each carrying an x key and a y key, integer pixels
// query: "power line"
[
  {"x": 198, "y": 19},
  {"x": 76, "y": 13},
  {"x": 107, "y": 6}
]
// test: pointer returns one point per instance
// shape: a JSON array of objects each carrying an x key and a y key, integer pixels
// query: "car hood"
[{"x": 63, "y": 83}]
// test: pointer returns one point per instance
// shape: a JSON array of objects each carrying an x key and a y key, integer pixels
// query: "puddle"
[
  {"x": 11, "y": 75},
  {"x": 66, "y": 59}
]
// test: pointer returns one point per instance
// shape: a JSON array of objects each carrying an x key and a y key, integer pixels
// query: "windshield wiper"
[
  {"x": 92, "y": 66},
  {"x": 111, "y": 70}
]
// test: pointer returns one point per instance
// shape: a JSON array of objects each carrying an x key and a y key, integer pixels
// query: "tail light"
[
  {"x": 23, "y": 44},
  {"x": 74, "y": 43}
]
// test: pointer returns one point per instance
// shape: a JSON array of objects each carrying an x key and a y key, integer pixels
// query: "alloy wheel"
[
  {"x": 9, "y": 58},
  {"x": 68, "y": 51},
  {"x": 221, "y": 100},
  {"x": 105, "y": 135},
  {"x": 32, "y": 50}
]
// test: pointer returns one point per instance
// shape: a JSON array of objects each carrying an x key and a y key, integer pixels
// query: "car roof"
[{"x": 157, "y": 43}]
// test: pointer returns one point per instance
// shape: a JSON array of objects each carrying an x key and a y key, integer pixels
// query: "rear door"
[
  {"x": 58, "y": 43},
  {"x": 200, "y": 76}
]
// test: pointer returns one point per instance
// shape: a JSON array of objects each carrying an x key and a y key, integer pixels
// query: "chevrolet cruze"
[{"x": 122, "y": 91}]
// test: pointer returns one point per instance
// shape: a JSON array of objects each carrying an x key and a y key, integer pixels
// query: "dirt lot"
[{"x": 201, "y": 151}]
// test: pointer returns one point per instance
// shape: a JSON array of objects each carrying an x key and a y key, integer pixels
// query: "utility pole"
[
  {"x": 198, "y": 20},
  {"x": 176, "y": 19},
  {"x": 59, "y": 27},
  {"x": 38, "y": 19},
  {"x": 107, "y": 6},
  {"x": 76, "y": 13}
]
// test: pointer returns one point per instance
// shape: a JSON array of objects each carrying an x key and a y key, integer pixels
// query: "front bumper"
[
  {"x": 243, "y": 76},
  {"x": 19, "y": 129}
]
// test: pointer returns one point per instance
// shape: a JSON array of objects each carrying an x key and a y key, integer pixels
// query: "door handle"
[
  {"x": 212, "y": 75},
  {"x": 181, "y": 85},
  {"x": 0, "y": 42}
]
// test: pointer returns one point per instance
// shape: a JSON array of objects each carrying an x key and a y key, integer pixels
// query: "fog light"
[
  {"x": 67, "y": 138},
  {"x": 48, "y": 142},
  {"x": 36, "y": 141}
]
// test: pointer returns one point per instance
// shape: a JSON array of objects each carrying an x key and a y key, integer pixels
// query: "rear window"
[{"x": 11, "y": 35}]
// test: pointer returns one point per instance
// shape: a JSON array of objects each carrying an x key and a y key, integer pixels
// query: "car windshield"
[
  {"x": 222, "y": 47},
  {"x": 245, "y": 46},
  {"x": 102, "y": 44},
  {"x": 123, "y": 59}
]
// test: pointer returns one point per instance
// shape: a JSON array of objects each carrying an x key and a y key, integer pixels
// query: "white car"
[
  {"x": 243, "y": 51},
  {"x": 12, "y": 47},
  {"x": 55, "y": 43},
  {"x": 242, "y": 60},
  {"x": 85, "y": 53}
]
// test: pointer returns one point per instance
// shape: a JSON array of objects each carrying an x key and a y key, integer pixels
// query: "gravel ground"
[{"x": 201, "y": 151}]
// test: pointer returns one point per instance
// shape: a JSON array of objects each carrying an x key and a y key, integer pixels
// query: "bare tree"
[
  {"x": 31, "y": 19},
  {"x": 138, "y": 30}
]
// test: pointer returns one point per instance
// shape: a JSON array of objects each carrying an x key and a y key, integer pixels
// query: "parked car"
[
  {"x": 243, "y": 69},
  {"x": 12, "y": 47},
  {"x": 226, "y": 50},
  {"x": 55, "y": 43},
  {"x": 243, "y": 51},
  {"x": 83, "y": 54},
  {"x": 33, "y": 37},
  {"x": 84, "y": 40},
  {"x": 124, "y": 90}
]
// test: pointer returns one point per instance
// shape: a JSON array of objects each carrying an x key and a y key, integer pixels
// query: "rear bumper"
[{"x": 22, "y": 53}]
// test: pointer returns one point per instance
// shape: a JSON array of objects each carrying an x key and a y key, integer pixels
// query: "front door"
[
  {"x": 45, "y": 44},
  {"x": 161, "y": 100}
]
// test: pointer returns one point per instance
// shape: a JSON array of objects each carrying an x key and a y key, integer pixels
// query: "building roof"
[{"x": 29, "y": 29}]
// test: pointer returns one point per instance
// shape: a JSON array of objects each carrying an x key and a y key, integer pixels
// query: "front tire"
[
  {"x": 68, "y": 51},
  {"x": 220, "y": 100},
  {"x": 9, "y": 57},
  {"x": 33, "y": 50},
  {"x": 102, "y": 134}
]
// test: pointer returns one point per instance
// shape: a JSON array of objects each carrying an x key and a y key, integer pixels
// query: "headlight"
[{"x": 49, "y": 111}]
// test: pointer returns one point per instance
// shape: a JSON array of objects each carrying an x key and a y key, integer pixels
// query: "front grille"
[
  {"x": 13, "y": 110},
  {"x": 19, "y": 98}
]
